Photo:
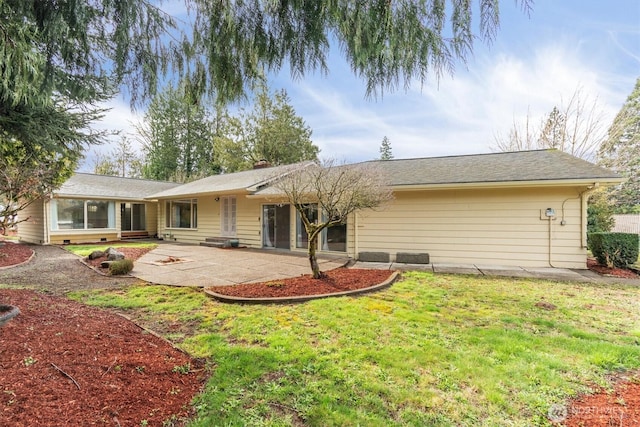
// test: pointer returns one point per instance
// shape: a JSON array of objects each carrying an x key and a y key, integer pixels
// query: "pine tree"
[
  {"x": 385, "y": 149},
  {"x": 621, "y": 152}
]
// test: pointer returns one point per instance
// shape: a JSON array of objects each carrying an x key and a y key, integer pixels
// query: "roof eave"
[
  {"x": 583, "y": 182},
  {"x": 96, "y": 197},
  {"x": 195, "y": 195}
]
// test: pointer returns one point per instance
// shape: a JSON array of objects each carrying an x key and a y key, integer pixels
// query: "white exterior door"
[{"x": 228, "y": 216}]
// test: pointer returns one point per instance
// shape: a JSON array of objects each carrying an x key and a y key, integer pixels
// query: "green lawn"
[
  {"x": 430, "y": 350},
  {"x": 85, "y": 250}
]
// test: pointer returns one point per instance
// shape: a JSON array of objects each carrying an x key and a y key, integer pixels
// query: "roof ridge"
[
  {"x": 127, "y": 177},
  {"x": 465, "y": 155}
]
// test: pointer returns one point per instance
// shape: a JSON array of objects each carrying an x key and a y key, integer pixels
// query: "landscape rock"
[
  {"x": 113, "y": 254},
  {"x": 96, "y": 255}
]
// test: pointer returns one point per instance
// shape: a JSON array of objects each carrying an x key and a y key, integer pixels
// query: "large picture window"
[
  {"x": 74, "y": 214},
  {"x": 181, "y": 213}
]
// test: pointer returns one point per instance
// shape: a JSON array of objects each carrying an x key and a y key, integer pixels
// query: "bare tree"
[
  {"x": 576, "y": 127},
  {"x": 338, "y": 190}
]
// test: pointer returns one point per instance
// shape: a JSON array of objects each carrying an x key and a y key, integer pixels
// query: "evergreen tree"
[
  {"x": 621, "y": 152},
  {"x": 177, "y": 138},
  {"x": 271, "y": 131},
  {"x": 385, "y": 149}
]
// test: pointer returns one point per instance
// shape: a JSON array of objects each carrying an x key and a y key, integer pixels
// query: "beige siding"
[
  {"x": 151, "y": 217},
  {"x": 82, "y": 236},
  {"x": 502, "y": 227},
  {"x": 248, "y": 217},
  {"x": 249, "y": 222},
  {"x": 33, "y": 230},
  {"x": 207, "y": 223}
]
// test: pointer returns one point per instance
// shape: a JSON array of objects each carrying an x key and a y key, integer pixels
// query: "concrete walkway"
[
  {"x": 202, "y": 266},
  {"x": 548, "y": 273}
]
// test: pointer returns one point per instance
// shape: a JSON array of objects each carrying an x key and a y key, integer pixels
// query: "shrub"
[
  {"x": 614, "y": 249},
  {"x": 123, "y": 266}
]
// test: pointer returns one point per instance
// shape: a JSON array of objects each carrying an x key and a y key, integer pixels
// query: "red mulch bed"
[
  {"x": 124, "y": 375},
  {"x": 131, "y": 253},
  {"x": 13, "y": 253},
  {"x": 620, "y": 407},
  {"x": 338, "y": 280},
  {"x": 592, "y": 264}
]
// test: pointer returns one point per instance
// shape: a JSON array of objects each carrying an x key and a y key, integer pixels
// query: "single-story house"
[
  {"x": 94, "y": 208},
  {"x": 520, "y": 209}
]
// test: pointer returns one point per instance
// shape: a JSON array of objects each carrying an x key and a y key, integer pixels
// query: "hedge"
[{"x": 614, "y": 249}]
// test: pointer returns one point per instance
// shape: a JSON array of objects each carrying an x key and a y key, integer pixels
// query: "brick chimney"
[{"x": 261, "y": 164}]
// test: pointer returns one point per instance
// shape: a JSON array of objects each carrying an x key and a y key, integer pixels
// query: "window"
[
  {"x": 73, "y": 214},
  {"x": 332, "y": 238},
  {"x": 302, "y": 238},
  {"x": 97, "y": 214},
  {"x": 133, "y": 217},
  {"x": 181, "y": 213},
  {"x": 335, "y": 238}
]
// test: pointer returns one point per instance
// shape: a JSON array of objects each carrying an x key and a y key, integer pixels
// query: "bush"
[
  {"x": 614, "y": 249},
  {"x": 123, "y": 266}
]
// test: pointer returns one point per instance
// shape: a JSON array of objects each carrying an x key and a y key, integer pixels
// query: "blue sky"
[{"x": 535, "y": 63}]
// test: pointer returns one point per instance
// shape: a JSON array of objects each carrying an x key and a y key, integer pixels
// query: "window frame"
[
  {"x": 169, "y": 216},
  {"x": 54, "y": 225}
]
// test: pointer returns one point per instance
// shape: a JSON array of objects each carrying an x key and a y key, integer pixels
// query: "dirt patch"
[
  {"x": 338, "y": 280},
  {"x": 14, "y": 253},
  {"x": 618, "y": 407},
  {"x": 63, "y": 363},
  {"x": 593, "y": 265}
]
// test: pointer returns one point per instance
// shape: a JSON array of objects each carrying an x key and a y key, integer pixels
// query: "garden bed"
[{"x": 63, "y": 363}]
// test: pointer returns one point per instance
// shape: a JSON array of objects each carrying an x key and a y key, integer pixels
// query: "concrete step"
[
  {"x": 214, "y": 244},
  {"x": 220, "y": 242},
  {"x": 216, "y": 239}
]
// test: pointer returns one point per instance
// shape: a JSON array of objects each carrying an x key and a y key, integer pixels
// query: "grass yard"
[
  {"x": 431, "y": 350},
  {"x": 85, "y": 250}
]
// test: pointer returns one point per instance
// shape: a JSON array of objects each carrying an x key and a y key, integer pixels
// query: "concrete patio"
[{"x": 202, "y": 266}]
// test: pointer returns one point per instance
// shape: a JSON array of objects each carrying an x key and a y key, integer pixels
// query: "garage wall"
[{"x": 491, "y": 226}]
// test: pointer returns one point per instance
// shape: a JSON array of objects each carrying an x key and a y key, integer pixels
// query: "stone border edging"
[{"x": 302, "y": 298}]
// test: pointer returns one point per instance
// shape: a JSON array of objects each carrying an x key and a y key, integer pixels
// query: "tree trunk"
[{"x": 313, "y": 242}]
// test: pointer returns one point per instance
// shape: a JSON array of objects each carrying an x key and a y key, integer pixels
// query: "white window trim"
[
  {"x": 193, "y": 212},
  {"x": 111, "y": 217}
]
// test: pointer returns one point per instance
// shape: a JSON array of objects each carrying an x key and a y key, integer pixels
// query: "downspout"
[
  {"x": 583, "y": 219},
  {"x": 46, "y": 207},
  {"x": 550, "y": 219},
  {"x": 355, "y": 235}
]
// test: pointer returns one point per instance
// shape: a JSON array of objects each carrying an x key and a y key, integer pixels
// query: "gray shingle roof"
[
  {"x": 248, "y": 181},
  {"x": 111, "y": 187},
  {"x": 521, "y": 166}
]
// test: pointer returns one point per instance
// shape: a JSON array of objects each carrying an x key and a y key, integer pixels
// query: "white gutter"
[{"x": 508, "y": 184}]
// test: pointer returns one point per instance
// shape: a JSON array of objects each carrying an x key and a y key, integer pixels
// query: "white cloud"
[{"x": 461, "y": 115}]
